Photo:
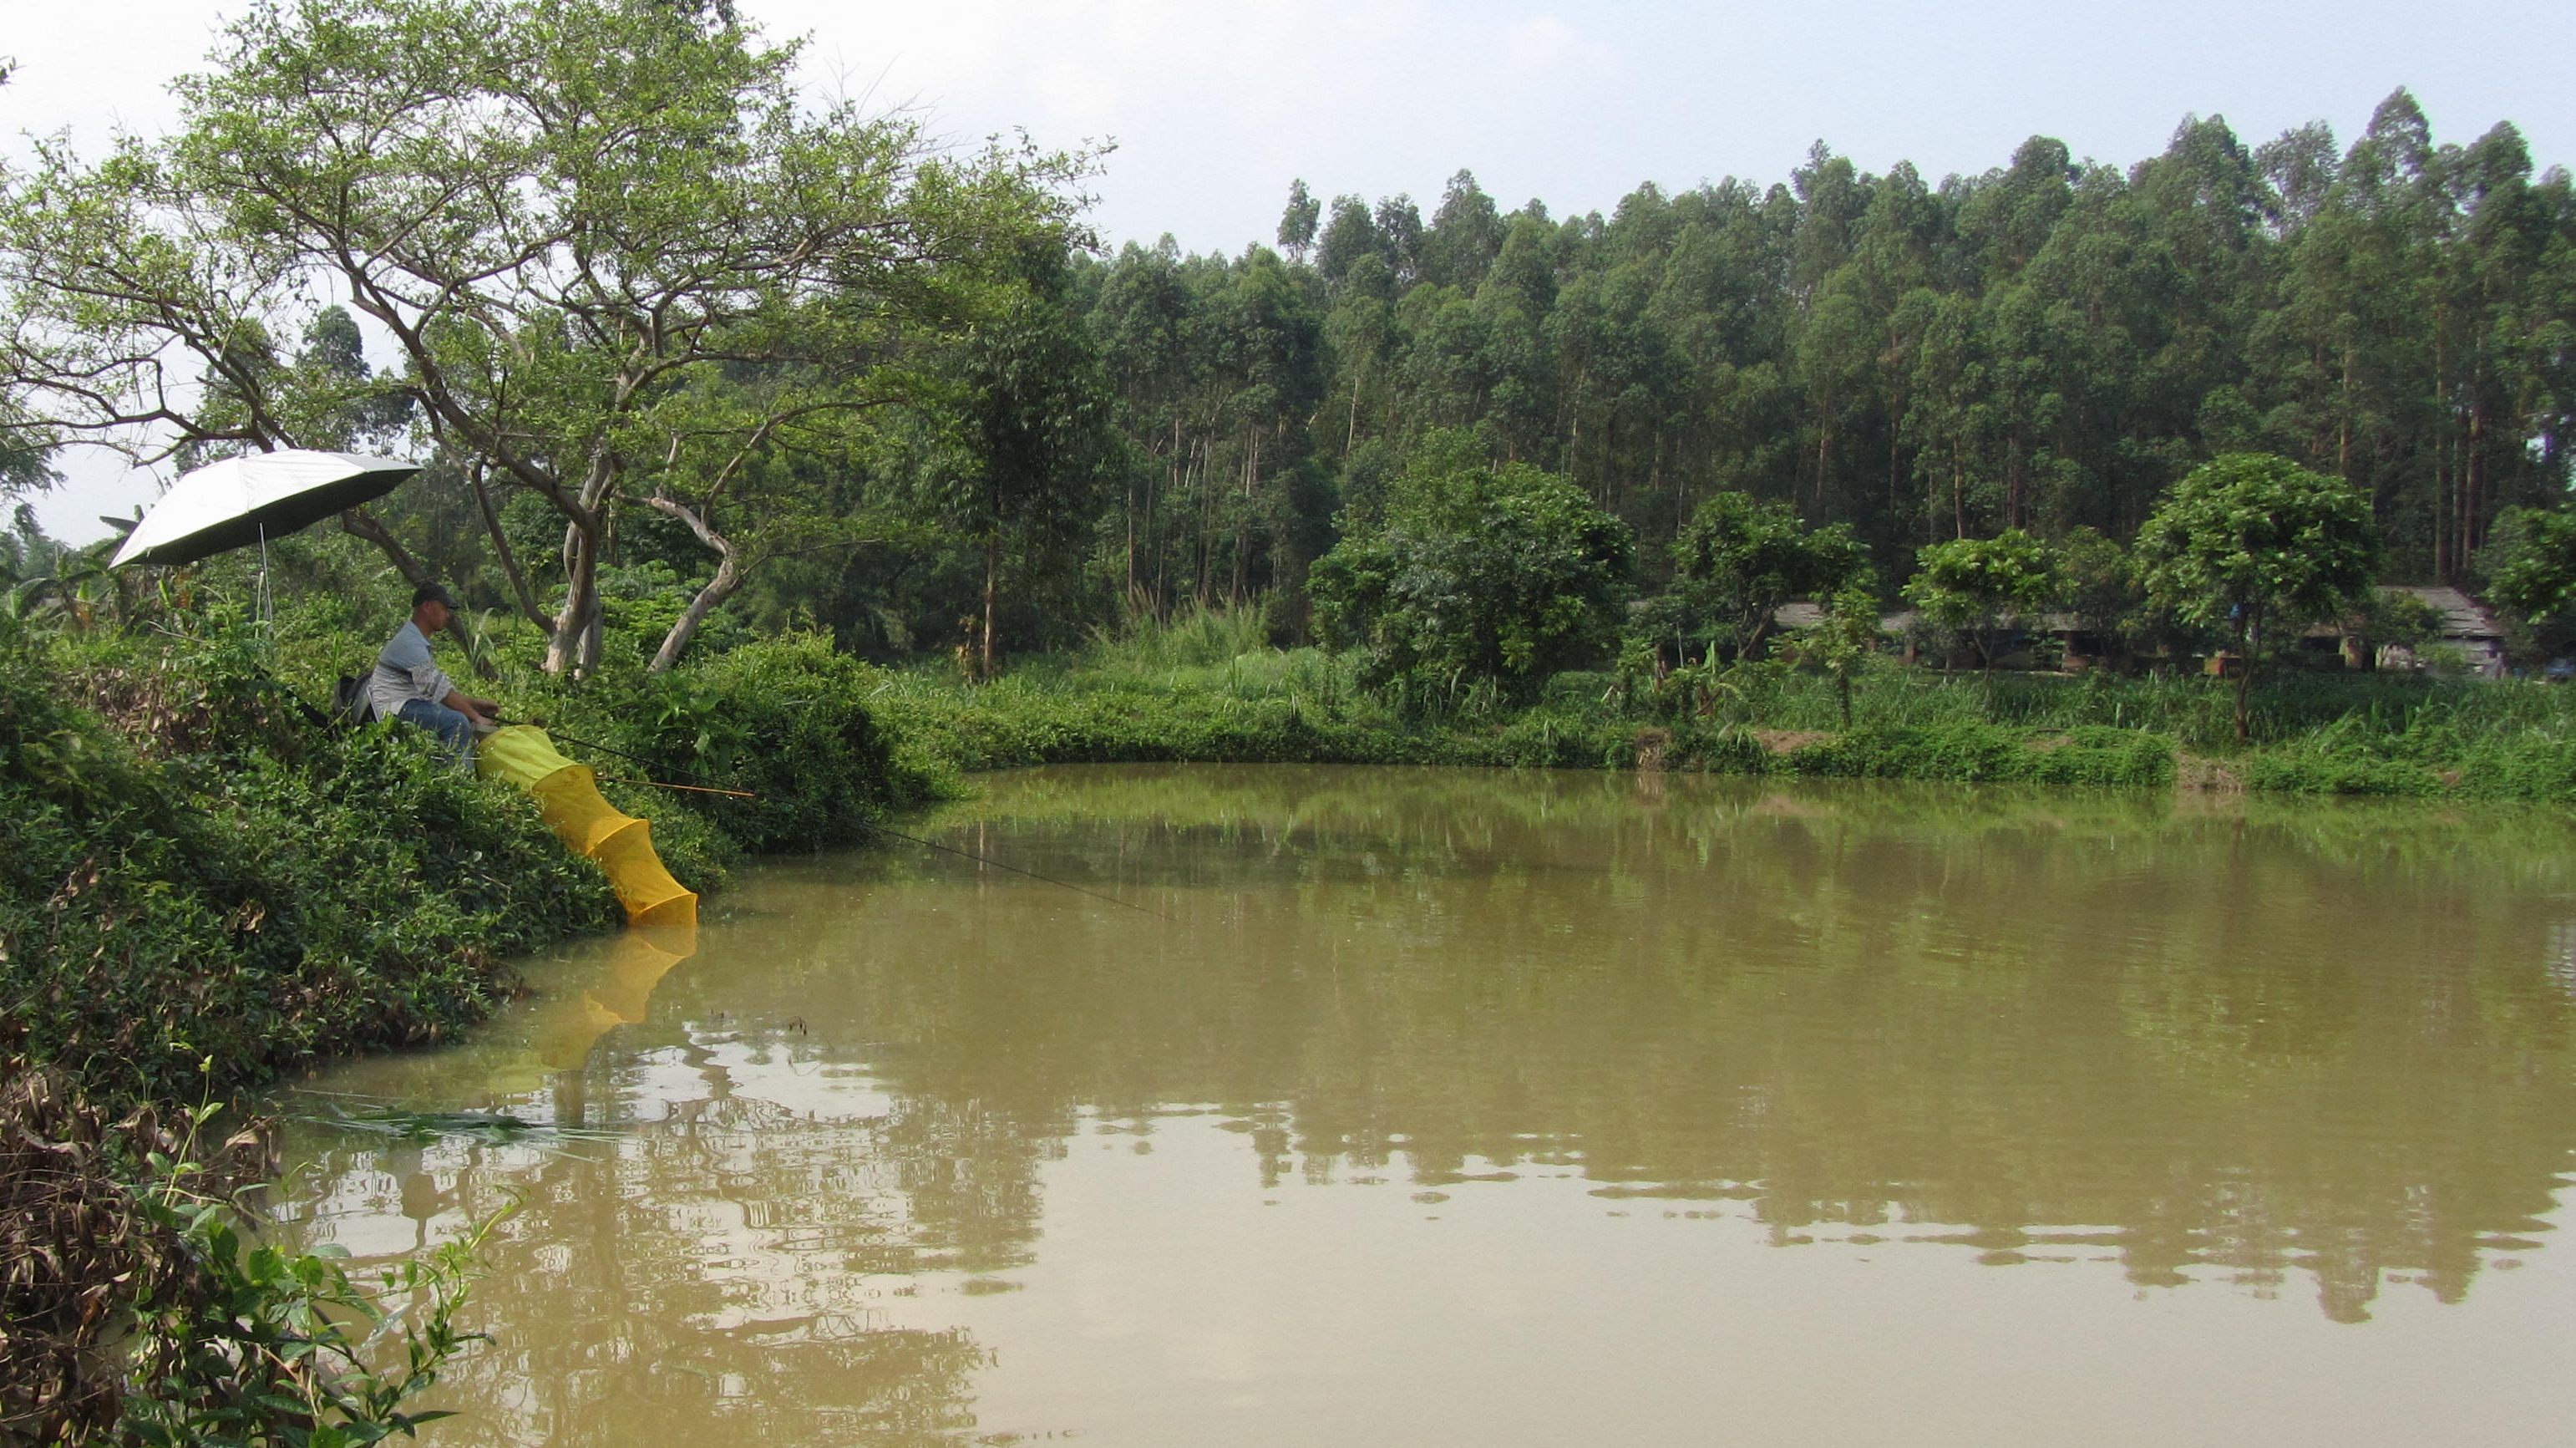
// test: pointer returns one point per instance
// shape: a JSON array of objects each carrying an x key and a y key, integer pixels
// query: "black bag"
[{"x": 349, "y": 702}]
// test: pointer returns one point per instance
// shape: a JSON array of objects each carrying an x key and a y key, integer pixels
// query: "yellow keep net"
[{"x": 569, "y": 799}]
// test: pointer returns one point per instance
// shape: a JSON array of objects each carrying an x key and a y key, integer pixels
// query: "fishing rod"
[
  {"x": 686, "y": 788},
  {"x": 871, "y": 824},
  {"x": 563, "y": 738}
]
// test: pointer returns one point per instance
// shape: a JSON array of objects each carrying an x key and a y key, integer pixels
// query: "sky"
[{"x": 1211, "y": 109}]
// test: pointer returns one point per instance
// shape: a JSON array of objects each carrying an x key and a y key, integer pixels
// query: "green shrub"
[
  {"x": 786, "y": 719},
  {"x": 249, "y": 907},
  {"x": 1979, "y": 753}
]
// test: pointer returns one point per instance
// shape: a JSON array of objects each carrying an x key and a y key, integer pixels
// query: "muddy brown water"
[{"x": 1487, "y": 1108}]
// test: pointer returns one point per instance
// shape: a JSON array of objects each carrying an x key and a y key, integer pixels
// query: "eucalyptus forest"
[{"x": 2047, "y": 346}]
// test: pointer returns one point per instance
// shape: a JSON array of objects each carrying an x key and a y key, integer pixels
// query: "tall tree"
[
  {"x": 1466, "y": 235},
  {"x": 1481, "y": 573},
  {"x": 2256, "y": 547},
  {"x": 1740, "y": 559},
  {"x": 1297, "y": 222},
  {"x": 1030, "y": 447},
  {"x": 561, "y": 213}
]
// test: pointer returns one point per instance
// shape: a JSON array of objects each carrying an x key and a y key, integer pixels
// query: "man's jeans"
[{"x": 453, "y": 729}]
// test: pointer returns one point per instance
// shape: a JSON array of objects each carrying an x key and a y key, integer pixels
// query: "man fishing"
[{"x": 409, "y": 685}]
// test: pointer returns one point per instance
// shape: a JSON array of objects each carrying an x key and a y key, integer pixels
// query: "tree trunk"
[
  {"x": 2343, "y": 420},
  {"x": 359, "y": 523},
  {"x": 1351, "y": 434},
  {"x": 1207, "y": 521},
  {"x": 2251, "y": 638},
  {"x": 1959, "y": 487},
  {"x": 573, "y": 650},
  {"x": 1824, "y": 449},
  {"x": 2012, "y": 479},
  {"x": 2441, "y": 457},
  {"x": 992, "y": 594},
  {"x": 2474, "y": 496},
  {"x": 720, "y": 588},
  {"x": 1243, "y": 525},
  {"x": 730, "y": 572},
  {"x": 1895, "y": 473},
  {"x": 509, "y": 556}
]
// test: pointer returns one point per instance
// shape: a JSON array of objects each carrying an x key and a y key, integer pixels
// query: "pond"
[{"x": 1435, "y": 1107}]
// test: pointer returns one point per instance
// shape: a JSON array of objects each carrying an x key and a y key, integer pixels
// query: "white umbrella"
[{"x": 253, "y": 498}]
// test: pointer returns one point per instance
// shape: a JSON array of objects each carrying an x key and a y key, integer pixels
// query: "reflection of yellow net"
[
  {"x": 570, "y": 802},
  {"x": 636, "y": 963}
]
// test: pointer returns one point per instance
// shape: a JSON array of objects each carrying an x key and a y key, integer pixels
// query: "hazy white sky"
[{"x": 1214, "y": 107}]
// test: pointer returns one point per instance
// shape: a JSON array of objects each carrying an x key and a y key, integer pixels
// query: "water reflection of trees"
[
  {"x": 2256, "y": 1043},
  {"x": 2262, "y": 1040}
]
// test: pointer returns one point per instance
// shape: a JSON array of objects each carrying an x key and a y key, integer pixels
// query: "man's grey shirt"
[{"x": 404, "y": 672}]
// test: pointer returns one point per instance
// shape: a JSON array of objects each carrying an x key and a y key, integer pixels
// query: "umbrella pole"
[{"x": 267, "y": 612}]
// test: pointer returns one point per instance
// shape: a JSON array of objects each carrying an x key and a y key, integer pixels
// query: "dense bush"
[
  {"x": 248, "y": 905},
  {"x": 2090, "y": 755},
  {"x": 1480, "y": 574},
  {"x": 785, "y": 720},
  {"x": 1025, "y": 722},
  {"x": 195, "y": 862}
]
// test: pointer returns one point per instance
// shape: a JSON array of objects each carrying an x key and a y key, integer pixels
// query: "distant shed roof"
[
  {"x": 1791, "y": 617},
  {"x": 2463, "y": 617}
]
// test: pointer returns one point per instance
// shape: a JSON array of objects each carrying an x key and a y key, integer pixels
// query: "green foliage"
[
  {"x": 2390, "y": 617},
  {"x": 1847, "y": 638},
  {"x": 2530, "y": 563},
  {"x": 263, "y": 1345},
  {"x": 272, "y": 893},
  {"x": 2098, "y": 586},
  {"x": 140, "y": 1307},
  {"x": 2470, "y": 740},
  {"x": 603, "y": 225},
  {"x": 785, "y": 719},
  {"x": 1480, "y": 575},
  {"x": 1978, "y": 586},
  {"x": 1739, "y": 559},
  {"x": 1196, "y": 638},
  {"x": 2254, "y": 544},
  {"x": 2043, "y": 344},
  {"x": 2310, "y": 732},
  {"x": 1984, "y": 753},
  {"x": 2257, "y": 547},
  {"x": 191, "y": 867},
  {"x": 1023, "y": 449}
]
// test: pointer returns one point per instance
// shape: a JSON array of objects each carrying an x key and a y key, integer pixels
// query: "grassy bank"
[
  {"x": 1208, "y": 689},
  {"x": 202, "y": 885}
]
